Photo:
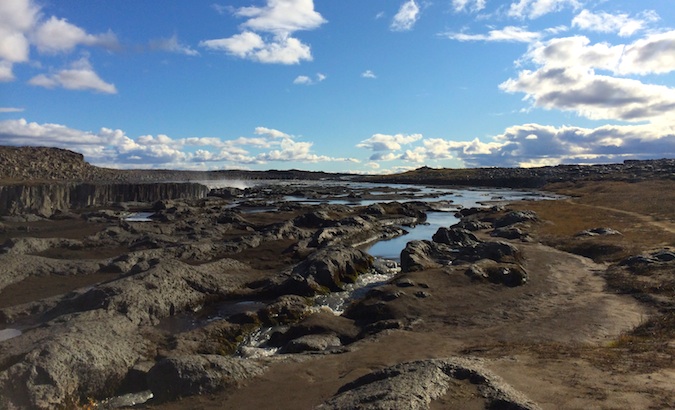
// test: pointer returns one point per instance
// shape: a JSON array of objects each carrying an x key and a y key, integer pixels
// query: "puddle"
[
  {"x": 391, "y": 248},
  {"x": 7, "y": 334},
  {"x": 184, "y": 322},
  {"x": 139, "y": 217}
]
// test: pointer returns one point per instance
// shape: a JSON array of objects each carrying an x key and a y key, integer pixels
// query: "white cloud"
[
  {"x": 557, "y": 145},
  {"x": 279, "y": 18},
  {"x": 538, "y": 145},
  {"x": 17, "y": 18},
  {"x": 533, "y": 9},
  {"x": 592, "y": 95},
  {"x": 271, "y": 132},
  {"x": 384, "y": 142},
  {"x": 406, "y": 17},
  {"x": 172, "y": 45},
  {"x": 21, "y": 26},
  {"x": 80, "y": 76},
  {"x": 282, "y": 16},
  {"x": 566, "y": 78},
  {"x": 621, "y": 23},
  {"x": 507, "y": 34},
  {"x": 305, "y": 80},
  {"x": 6, "y": 73},
  {"x": 652, "y": 54},
  {"x": 58, "y": 36},
  {"x": 368, "y": 74},
  {"x": 10, "y": 109},
  {"x": 468, "y": 5},
  {"x": 113, "y": 148},
  {"x": 251, "y": 46}
]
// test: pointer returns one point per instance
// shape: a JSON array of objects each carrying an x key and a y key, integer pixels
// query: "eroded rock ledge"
[{"x": 46, "y": 199}]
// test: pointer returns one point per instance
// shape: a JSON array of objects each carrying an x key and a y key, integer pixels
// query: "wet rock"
[
  {"x": 89, "y": 355},
  {"x": 404, "y": 283},
  {"x": 188, "y": 375},
  {"x": 598, "y": 232},
  {"x": 664, "y": 255},
  {"x": 497, "y": 251},
  {"x": 312, "y": 343},
  {"x": 637, "y": 260},
  {"x": 514, "y": 217},
  {"x": 510, "y": 233},
  {"x": 414, "y": 385},
  {"x": 508, "y": 274},
  {"x": 418, "y": 256},
  {"x": 286, "y": 309},
  {"x": 455, "y": 237},
  {"x": 316, "y": 219},
  {"x": 473, "y": 225},
  {"x": 329, "y": 268}
]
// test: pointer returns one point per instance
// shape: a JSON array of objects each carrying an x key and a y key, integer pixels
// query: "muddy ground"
[{"x": 587, "y": 330}]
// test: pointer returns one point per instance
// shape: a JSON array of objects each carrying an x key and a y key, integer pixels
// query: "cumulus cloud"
[
  {"x": 406, "y": 17},
  {"x": 79, "y": 76},
  {"x": 58, "y": 36},
  {"x": 172, "y": 45},
  {"x": 277, "y": 20},
  {"x": 21, "y": 25},
  {"x": 533, "y": 9},
  {"x": 620, "y": 23},
  {"x": 567, "y": 79},
  {"x": 17, "y": 19},
  {"x": 507, "y": 34}
]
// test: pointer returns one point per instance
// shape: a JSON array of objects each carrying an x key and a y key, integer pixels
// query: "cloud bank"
[{"x": 113, "y": 148}]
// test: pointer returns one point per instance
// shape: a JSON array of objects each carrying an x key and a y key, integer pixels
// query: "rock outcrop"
[{"x": 415, "y": 385}]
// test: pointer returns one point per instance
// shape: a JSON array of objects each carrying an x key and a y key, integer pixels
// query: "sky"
[{"x": 362, "y": 86}]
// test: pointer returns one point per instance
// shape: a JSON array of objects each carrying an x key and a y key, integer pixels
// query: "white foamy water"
[{"x": 6, "y": 334}]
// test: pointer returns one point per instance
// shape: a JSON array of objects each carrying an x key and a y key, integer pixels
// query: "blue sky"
[{"x": 370, "y": 86}]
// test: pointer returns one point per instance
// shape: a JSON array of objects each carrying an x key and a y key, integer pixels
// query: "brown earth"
[{"x": 571, "y": 338}]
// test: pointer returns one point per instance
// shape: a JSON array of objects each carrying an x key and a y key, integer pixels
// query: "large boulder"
[
  {"x": 514, "y": 217},
  {"x": 509, "y": 274},
  {"x": 455, "y": 237},
  {"x": 498, "y": 251},
  {"x": 420, "y": 255},
  {"x": 415, "y": 385},
  {"x": 328, "y": 269},
  {"x": 87, "y": 355}
]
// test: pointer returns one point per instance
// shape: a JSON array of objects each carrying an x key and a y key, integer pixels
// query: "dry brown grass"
[{"x": 643, "y": 212}]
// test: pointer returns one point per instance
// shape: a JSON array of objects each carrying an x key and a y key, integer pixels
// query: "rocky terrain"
[{"x": 216, "y": 299}]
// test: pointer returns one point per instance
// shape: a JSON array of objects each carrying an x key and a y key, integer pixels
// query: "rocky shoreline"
[{"x": 100, "y": 309}]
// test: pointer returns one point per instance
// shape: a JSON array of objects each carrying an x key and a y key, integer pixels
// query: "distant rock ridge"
[
  {"x": 28, "y": 165},
  {"x": 629, "y": 170}
]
